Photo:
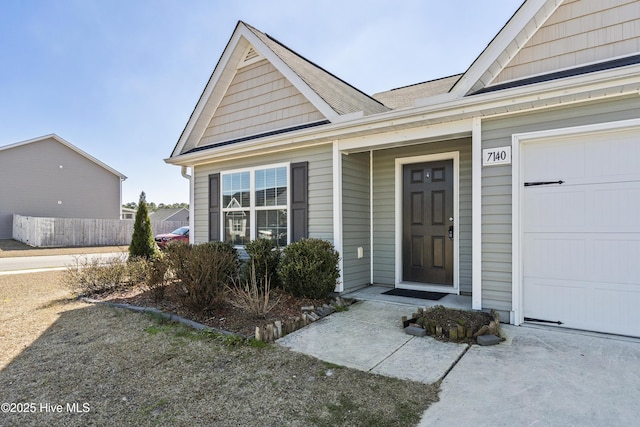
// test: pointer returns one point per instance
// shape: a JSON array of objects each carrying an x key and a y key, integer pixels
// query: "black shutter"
[
  {"x": 214, "y": 207},
  {"x": 299, "y": 201}
]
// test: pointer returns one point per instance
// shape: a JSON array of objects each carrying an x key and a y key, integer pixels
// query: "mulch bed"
[{"x": 223, "y": 316}]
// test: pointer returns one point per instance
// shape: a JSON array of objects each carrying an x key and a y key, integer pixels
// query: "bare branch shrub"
[
  {"x": 158, "y": 276},
  {"x": 253, "y": 295},
  {"x": 91, "y": 276},
  {"x": 203, "y": 271}
]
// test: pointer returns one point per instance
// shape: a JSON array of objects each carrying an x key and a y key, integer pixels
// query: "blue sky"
[{"x": 120, "y": 78}]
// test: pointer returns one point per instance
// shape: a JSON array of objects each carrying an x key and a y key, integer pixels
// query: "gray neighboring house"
[
  {"x": 516, "y": 182},
  {"x": 49, "y": 177},
  {"x": 170, "y": 214}
]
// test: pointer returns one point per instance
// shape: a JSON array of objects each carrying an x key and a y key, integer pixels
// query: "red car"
[{"x": 179, "y": 235}]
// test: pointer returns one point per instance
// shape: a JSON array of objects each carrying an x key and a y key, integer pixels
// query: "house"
[
  {"x": 49, "y": 177},
  {"x": 128, "y": 213},
  {"x": 516, "y": 182},
  {"x": 170, "y": 214}
]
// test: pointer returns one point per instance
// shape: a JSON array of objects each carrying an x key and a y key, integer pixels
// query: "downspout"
[{"x": 184, "y": 173}]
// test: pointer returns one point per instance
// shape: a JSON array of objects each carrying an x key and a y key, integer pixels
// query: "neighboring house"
[
  {"x": 170, "y": 214},
  {"x": 49, "y": 177},
  {"x": 516, "y": 182},
  {"x": 128, "y": 213}
]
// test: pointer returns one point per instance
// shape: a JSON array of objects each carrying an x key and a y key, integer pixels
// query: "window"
[{"x": 255, "y": 205}]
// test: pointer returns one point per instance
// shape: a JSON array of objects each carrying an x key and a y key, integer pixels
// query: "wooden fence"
[{"x": 68, "y": 232}]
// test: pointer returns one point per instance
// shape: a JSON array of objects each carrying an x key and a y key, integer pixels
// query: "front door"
[{"x": 427, "y": 239}]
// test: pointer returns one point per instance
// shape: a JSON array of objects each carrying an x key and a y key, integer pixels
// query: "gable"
[
  {"x": 551, "y": 39},
  {"x": 259, "y": 99},
  {"x": 53, "y": 143},
  {"x": 259, "y": 88},
  {"x": 576, "y": 34}
]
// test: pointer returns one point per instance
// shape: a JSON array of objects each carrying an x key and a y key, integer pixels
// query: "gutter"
[{"x": 184, "y": 173}]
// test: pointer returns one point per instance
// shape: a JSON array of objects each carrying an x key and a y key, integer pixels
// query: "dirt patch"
[
  {"x": 12, "y": 249},
  {"x": 108, "y": 366}
]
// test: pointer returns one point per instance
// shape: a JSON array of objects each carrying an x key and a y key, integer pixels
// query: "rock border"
[
  {"x": 486, "y": 335},
  {"x": 267, "y": 333},
  {"x": 278, "y": 329}
]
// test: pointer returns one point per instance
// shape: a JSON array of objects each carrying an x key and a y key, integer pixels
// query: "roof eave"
[
  {"x": 609, "y": 83},
  {"x": 242, "y": 30},
  {"x": 514, "y": 31},
  {"x": 68, "y": 145}
]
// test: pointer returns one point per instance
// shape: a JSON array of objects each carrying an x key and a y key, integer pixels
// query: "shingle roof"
[
  {"x": 165, "y": 214},
  {"x": 339, "y": 95},
  {"x": 404, "y": 97}
]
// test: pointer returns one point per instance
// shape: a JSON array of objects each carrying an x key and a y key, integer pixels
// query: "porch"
[{"x": 376, "y": 293}]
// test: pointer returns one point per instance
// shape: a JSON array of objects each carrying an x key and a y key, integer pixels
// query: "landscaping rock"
[
  {"x": 415, "y": 330},
  {"x": 488, "y": 339}
]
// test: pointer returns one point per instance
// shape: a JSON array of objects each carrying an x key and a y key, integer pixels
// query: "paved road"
[{"x": 50, "y": 262}]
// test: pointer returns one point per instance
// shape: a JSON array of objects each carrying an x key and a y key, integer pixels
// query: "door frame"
[
  {"x": 400, "y": 162},
  {"x": 518, "y": 143}
]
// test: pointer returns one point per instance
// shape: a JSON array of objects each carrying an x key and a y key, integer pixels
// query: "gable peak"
[{"x": 250, "y": 56}]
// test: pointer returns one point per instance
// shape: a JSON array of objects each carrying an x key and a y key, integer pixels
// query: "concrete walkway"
[{"x": 538, "y": 376}]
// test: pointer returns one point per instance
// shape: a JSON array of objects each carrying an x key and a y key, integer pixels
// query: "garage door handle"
[{"x": 531, "y": 184}]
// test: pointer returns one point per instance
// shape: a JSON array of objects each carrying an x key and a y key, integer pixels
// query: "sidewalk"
[{"x": 540, "y": 376}]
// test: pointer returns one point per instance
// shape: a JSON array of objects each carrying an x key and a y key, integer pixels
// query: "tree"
[{"x": 142, "y": 243}]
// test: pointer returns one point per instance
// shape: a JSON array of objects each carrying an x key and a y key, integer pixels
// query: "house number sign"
[{"x": 496, "y": 156}]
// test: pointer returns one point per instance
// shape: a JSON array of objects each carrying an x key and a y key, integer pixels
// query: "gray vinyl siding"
[
  {"x": 384, "y": 207},
  {"x": 320, "y": 187},
  {"x": 496, "y": 185},
  {"x": 33, "y": 182},
  {"x": 355, "y": 220}
]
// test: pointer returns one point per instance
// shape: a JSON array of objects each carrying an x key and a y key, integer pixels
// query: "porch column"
[
  {"x": 337, "y": 210},
  {"x": 476, "y": 208}
]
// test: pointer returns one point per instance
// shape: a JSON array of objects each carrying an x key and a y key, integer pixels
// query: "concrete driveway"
[{"x": 538, "y": 376}]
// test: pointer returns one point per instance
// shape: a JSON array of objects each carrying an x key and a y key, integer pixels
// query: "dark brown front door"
[{"x": 427, "y": 236}]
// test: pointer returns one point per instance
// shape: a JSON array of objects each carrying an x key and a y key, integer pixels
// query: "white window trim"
[{"x": 252, "y": 199}]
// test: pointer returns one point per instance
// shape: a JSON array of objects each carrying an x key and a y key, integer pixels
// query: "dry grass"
[{"x": 130, "y": 369}]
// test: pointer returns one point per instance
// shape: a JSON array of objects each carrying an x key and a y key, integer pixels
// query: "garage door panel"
[
  {"x": 614, "y": 207},
  {"x": 554, "y": 210},
  {"x": 551, "y": 260},
  {"x": 618, "y": 308},
  {"x": 614, "y": 258},
  {"x": 545, "y": 299},
  {"x": 581, "y": 238},
  {"x": 603, "y": 307},
  {"x": 543, "y": 164},
  {"x": 603, "y": 157},
  {"x": 608, "y": 207}
]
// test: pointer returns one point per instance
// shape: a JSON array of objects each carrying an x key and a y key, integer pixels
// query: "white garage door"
[{"x": 581, "y": 237}]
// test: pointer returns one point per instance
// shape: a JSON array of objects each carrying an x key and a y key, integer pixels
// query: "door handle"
[{"x": 451, "y": 232}]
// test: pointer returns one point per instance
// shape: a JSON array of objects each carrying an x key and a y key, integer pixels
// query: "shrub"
[
  {"x": 203, "y": 271},
  {"x": 309, "y": 268},
  {"x": 142, "y": 243},
  {"x": 157, "y": 276},
  {"x": 253, "y": 295},
  {"x": 91, "y": 276},
  {"x": 264, "y": 257}
]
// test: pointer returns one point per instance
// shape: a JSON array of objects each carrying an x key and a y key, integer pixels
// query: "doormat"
[{"x": 434, "y": 296}]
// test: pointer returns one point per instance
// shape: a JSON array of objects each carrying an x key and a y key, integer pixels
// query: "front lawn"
[{"x": 132, "y": 369}]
